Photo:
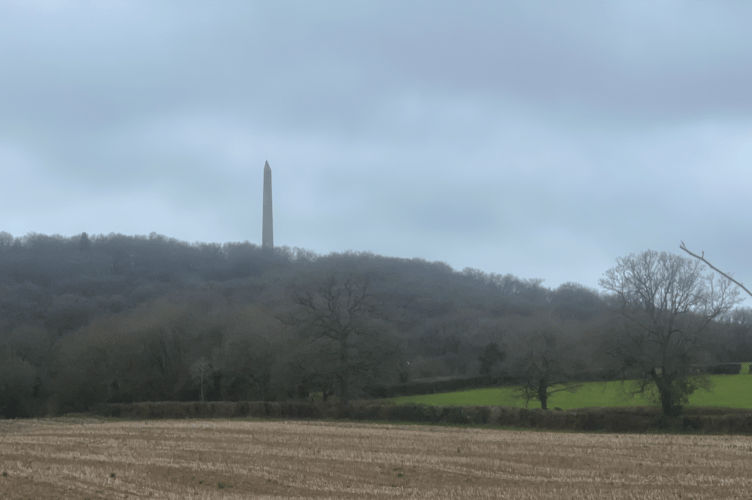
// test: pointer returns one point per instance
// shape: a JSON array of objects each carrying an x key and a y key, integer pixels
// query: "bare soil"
[{"x": 233, "y": 459}]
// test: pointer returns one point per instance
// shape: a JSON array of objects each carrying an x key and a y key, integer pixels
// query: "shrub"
[
  {"x": 243, "y": 408},
  {"x": 408, "y": 413},
  {"x": 369, "y": 412},
  {"x": 724, "y": 369},
  {"x": 629, "y": 419},
  {"x": 477, "y": 414},
  {"x": 257, "y": 409},
  {"x": 456, "y": 415}
]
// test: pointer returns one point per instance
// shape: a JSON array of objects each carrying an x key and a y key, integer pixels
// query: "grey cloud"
[{"x": 567, "y": 134}]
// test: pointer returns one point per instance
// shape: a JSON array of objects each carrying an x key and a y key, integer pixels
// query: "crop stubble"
[{"x": 211, "y": 459}]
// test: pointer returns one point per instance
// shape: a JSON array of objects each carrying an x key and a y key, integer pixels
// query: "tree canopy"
[{"x": 112, "y": 318}]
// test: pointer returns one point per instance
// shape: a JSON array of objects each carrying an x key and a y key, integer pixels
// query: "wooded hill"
[{"x": 86, "y": 320}]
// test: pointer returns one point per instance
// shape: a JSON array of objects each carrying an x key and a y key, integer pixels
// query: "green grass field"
[{"x": 729, "y": 391}]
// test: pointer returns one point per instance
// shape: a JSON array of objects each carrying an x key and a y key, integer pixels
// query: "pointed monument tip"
[{"x": 266, "y": 166}]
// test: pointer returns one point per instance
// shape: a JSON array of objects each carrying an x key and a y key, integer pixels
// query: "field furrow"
[{"x": 212, "y": 459}]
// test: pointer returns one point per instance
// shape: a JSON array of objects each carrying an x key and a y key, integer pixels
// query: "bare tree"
[
  {"x": 490, "y": 359},
  {"x": 339, "y": 318},
  {"x": 256, "y": 344},
  {"x": 668, "y": 304},
  {"x": 702, "y": 258},
  {"x": 199, "y": 371},
  {"x": 546, "y": 360}
]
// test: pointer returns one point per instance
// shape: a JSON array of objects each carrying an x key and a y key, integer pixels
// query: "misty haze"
[{"x": 508, "y": 214}]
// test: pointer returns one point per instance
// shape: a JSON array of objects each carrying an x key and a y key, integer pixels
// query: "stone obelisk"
[{"x": 267, "y": 231}]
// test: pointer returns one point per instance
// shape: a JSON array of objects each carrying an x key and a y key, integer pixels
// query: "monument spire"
[{"x": 267, "y": 232}]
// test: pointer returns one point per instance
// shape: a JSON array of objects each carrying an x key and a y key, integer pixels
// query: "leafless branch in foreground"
[{"x": 702, "y": 258}]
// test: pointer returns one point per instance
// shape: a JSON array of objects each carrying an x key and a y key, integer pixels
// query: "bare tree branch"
[
  {"x": 335, "y": 312},
  {"x": 702, "y": 258},
  {"x": 669, "y": 304}
]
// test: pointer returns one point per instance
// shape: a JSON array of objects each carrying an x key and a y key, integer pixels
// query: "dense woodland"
[{"x": 87, "y": 320}]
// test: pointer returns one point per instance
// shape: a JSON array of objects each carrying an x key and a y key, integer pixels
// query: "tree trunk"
[
  {"x": 665, "y": 390},
  {"x": 344, "y": 397},
  {"x": 666, "y": 401},
  {"x": 543, "y": 394},
  {"x": 344, "y": 369}
]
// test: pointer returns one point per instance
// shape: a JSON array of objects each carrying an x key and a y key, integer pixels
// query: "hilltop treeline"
[{"x": 87, "y": 320}]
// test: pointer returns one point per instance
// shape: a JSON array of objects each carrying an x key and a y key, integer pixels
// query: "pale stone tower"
[{"x": 267, "y": 232}]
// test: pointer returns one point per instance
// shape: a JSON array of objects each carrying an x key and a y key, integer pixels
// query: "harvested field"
[{"x": 234, "y": 459}]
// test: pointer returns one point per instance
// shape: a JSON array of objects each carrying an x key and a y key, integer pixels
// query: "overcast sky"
[{"x": 542, "y": 139}]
